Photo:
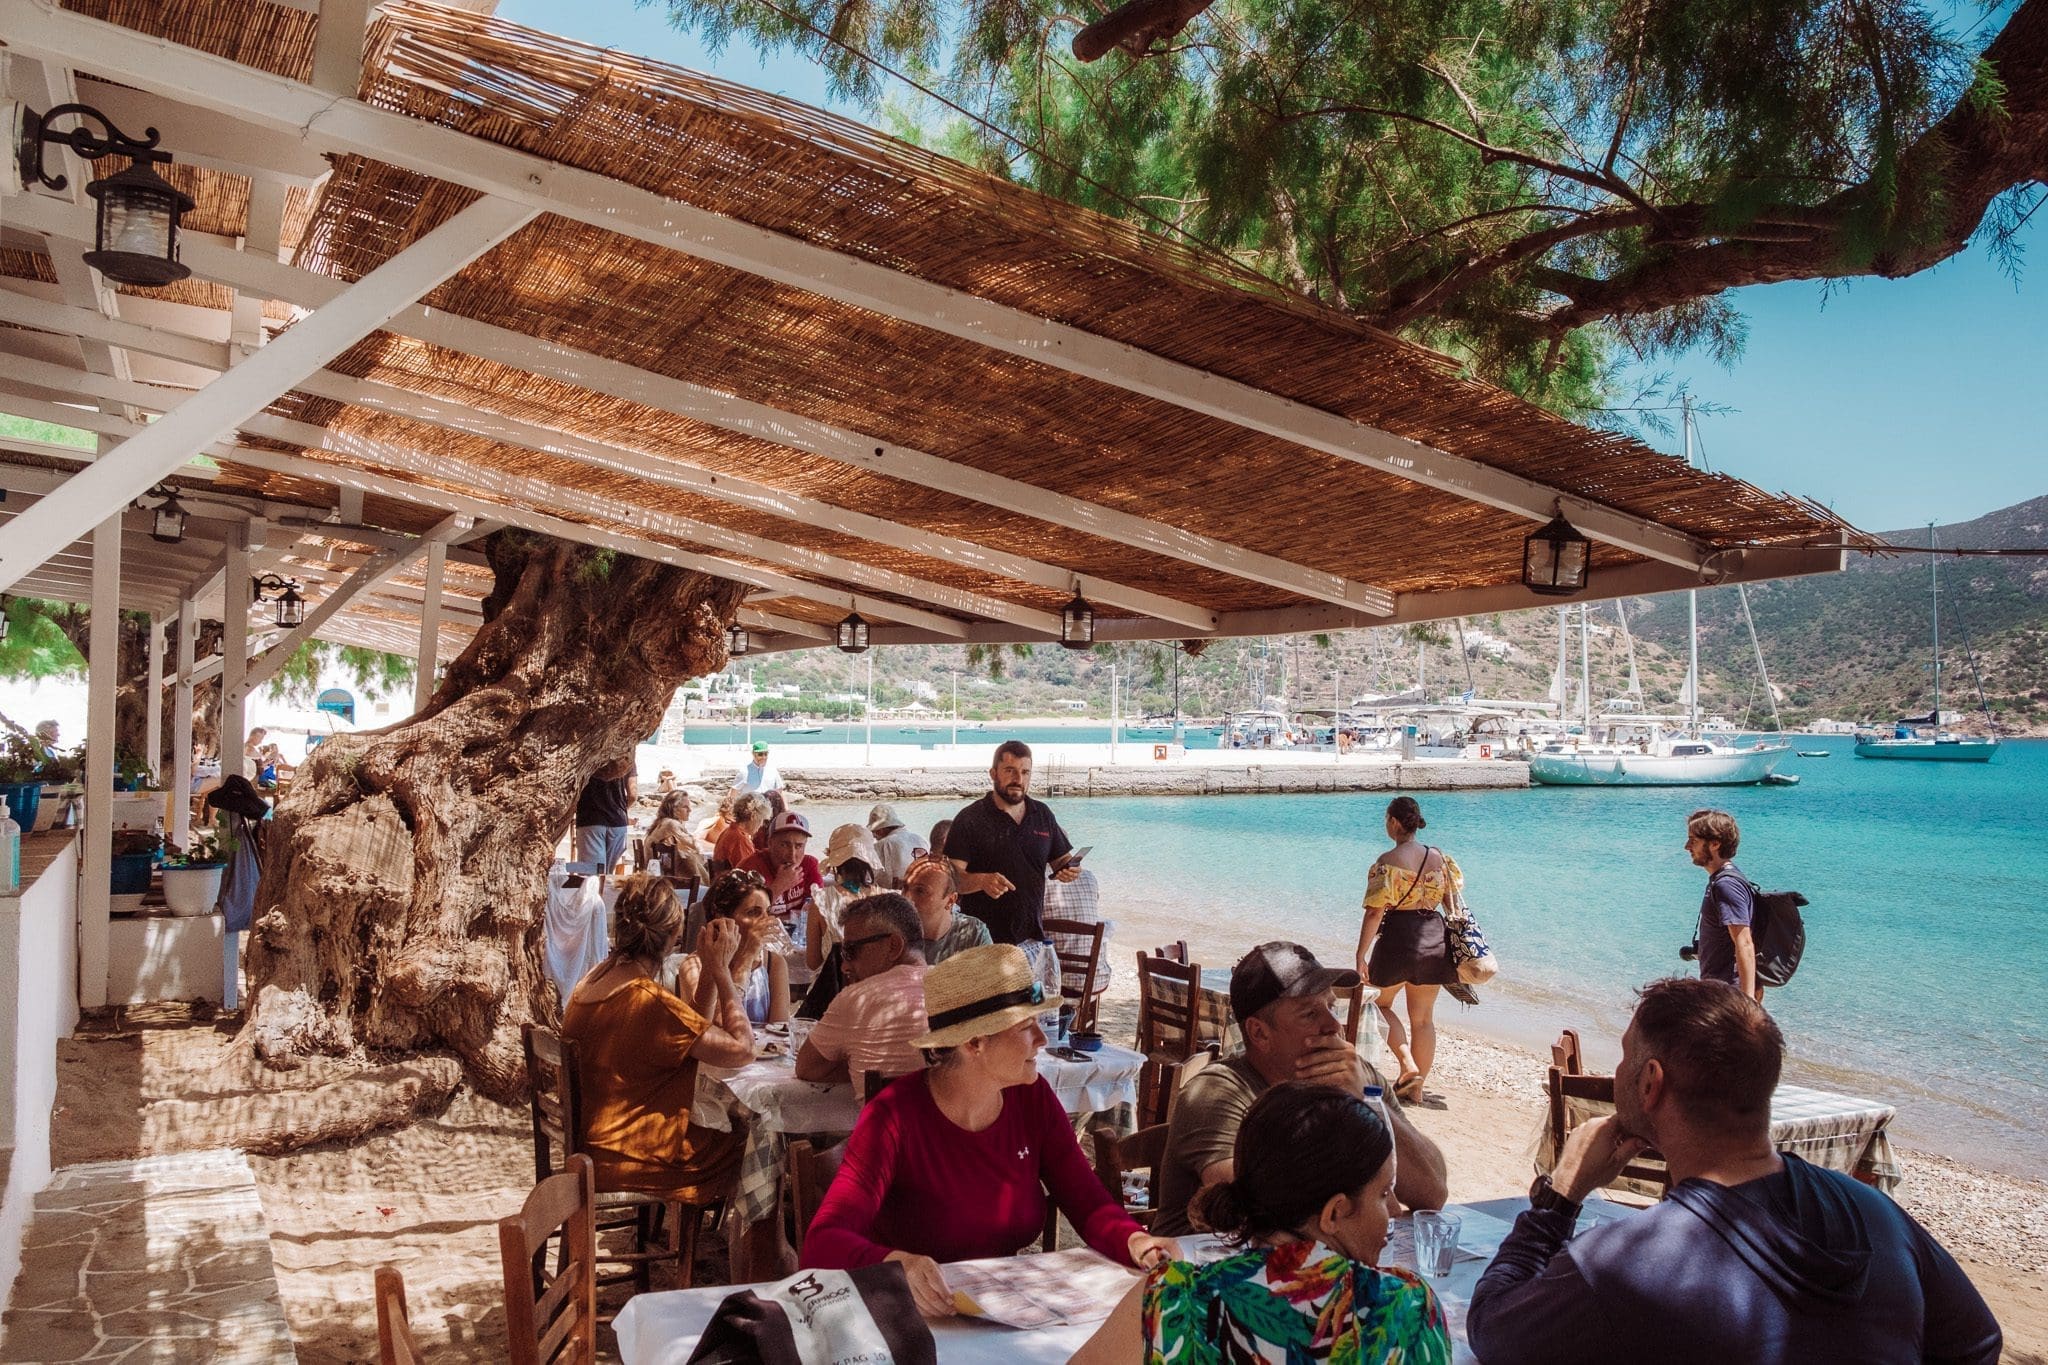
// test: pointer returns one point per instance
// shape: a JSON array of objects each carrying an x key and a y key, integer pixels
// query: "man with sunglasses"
[{"x": 870, "y": 1024}]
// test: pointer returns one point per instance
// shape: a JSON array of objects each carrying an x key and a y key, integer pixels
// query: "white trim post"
[
  {"x": 153, "y": 722},
  {"x": 181, "y": 726},
  {"x": 234, "y": 661},
  {"x": 103, "y": 675},
  {"x": 430, "y": 628}
]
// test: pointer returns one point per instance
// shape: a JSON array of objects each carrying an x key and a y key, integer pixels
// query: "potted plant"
[
  {"x": 192, "y": 876},
  {"x": 20, "y": 757},
  {"x": 135, "y": 854}
]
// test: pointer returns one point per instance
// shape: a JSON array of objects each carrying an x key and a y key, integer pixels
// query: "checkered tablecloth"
[
  {"x": 1841, "y": 1132},
  {"x": 1213, "y": 1021},
  {"x": 768, "y": 1101}
]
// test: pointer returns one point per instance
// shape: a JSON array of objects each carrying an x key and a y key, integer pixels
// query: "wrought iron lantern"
[
  {"x": 736, "y": 640},
  {"x": 1555, "y": 559},
  {"x": 1077, "y": 622},
  {"x": 168, "y": 523},
  {"x": 852, "y": 635},
  {"x": 291, "y": 605},
  {"x": 135, "y": 240}
]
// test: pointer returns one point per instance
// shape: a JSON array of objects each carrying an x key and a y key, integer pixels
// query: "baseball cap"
[
  {"x": 789, "y": 820},
  {"x": 760, "y": 746},
  {"x": 1280, "y": 971},
  {"x": 883, "y": 817}
]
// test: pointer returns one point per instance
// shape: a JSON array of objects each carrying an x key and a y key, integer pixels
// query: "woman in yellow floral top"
[
  {"x": 1401, "y": 945},
  {"x": 1309, "y": 1206}
]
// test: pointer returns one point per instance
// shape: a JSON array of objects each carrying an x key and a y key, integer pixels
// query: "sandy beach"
[{"x": 425, "y": 1198}]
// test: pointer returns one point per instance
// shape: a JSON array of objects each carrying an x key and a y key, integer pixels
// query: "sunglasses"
[{"x": 854, "y": 945}]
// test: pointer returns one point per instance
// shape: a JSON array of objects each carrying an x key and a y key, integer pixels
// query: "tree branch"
[{"x": 1135, "y": 26}]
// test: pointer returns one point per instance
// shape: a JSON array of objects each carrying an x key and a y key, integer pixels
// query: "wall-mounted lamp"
[
  {"x": 736, "y": 640},
  {"x": 168, "y": 525},
  {"x": 135, "y": 240},
  {"x": 852, "y": 634},
  {"x": 1077, "y": 622},
  {"x": 291, "y": 607}
]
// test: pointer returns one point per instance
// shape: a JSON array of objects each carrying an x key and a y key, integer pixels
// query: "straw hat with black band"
[{"x": 978, "y": 993}]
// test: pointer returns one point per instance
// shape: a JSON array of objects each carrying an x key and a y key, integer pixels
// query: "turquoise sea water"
[
  {"x": 1925, "y": 981},
  {"x": 932, "y": 734}
]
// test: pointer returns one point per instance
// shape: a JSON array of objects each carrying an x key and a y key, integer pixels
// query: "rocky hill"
[{"x": 1848, "y": 646}]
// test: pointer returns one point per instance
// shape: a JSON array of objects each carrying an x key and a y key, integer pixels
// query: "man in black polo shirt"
[{"x": 1001, "y": 846}]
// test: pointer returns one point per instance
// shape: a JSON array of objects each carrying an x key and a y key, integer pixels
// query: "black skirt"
[{"x": 1410, "y": 950}]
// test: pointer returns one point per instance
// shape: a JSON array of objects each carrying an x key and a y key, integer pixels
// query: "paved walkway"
[{"x": 162, "y": 1259}]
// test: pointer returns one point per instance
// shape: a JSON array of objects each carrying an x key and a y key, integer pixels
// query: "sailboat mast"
[
  {"x": 1934, "y": 581},
  {"x": 1692, "y": 597},
  {"x": 1585, "y": 668}
]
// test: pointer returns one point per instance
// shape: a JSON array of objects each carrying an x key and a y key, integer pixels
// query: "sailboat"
[
  {"x": 1623, "y": 747},
  {"x": 1908, "y": 740}
]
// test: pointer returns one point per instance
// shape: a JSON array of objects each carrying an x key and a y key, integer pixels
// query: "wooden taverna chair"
[
  {"x": 1079, "y": 966},
  {"x": 1140, "y": 1151},
  {"x": 1169, "y": 1007},
  {"x": 395, "y": 1345},
  {"x": 552, "y": 1319},
  {"x": 1647, "y": 1175}
]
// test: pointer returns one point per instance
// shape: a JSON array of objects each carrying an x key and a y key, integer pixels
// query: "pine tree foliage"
[{"x": 1537, "y": 189}]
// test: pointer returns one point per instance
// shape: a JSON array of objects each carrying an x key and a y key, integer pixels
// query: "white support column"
[
  {"x": 229, "y": 401},
  {"x": 430, "y": 629},
  {"x": 186, "y": 626},
  {"x": 153, "y": 722},
  {"x": 103, "y": 676},
  {"x": 234, "y": 653},
  {"x": 338, "y": 46}
]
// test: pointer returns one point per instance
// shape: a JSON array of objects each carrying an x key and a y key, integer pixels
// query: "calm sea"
[{"x": 1925, "y": 980}]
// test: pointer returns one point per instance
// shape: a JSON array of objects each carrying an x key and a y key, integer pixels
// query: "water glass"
[
  {"x": 1137, "y": 1189},
  {"x": 1436, "y": 1242},
  {"x": 799, "y": 1029}
]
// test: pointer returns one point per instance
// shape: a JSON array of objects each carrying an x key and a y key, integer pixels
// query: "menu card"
[{"x": 1049, "y": 1290}]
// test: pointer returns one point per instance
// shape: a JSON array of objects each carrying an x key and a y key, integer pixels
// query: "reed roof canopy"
[{"x": 680, "y": 318}]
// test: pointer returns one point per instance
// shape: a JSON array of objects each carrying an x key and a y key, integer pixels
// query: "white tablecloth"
[{"x": 663, "y": 1328}]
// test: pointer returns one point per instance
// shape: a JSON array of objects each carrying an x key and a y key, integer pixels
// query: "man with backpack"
[{"x": 1727, "y": 950}]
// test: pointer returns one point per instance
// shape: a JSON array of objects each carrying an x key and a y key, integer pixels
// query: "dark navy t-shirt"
[
  {"x": 986, "y": 839},
  {"x": 1728, "y": 903}
]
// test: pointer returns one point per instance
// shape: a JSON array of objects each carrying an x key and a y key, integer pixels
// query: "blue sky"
[{"x": 1895, "y": 402}]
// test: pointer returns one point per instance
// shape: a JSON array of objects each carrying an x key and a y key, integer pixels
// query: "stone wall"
[{"x": 1052, "y": 778}]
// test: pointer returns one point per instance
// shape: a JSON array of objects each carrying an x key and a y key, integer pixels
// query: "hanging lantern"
[
  {"x": 1555, "y": 559},
  {"x": 291, "y": 608},
  {"x": 136, "y": 240},
  {"x": 168, "y": 525},
  {"x": 1077, "y": 622},
  {"x": 736, "y": 641},
  {"x": 853, "y": 634}
]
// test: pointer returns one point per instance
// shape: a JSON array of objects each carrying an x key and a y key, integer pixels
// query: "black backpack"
[{"x": 1779, "y": 933}]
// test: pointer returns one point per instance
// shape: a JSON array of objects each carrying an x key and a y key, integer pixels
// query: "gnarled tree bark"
[{"x": 405, "y": 874}]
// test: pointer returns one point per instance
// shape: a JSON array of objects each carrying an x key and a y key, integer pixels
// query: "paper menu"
[{"x": 1049, "y": 1290}]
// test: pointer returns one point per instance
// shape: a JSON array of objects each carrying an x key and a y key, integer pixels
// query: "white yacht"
[{"x": 1633, "y": 750}]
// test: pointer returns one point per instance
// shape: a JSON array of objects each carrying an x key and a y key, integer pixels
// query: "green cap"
[{"x": 760, "y": 746}]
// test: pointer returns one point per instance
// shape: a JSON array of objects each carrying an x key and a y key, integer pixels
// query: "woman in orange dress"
[
  {"x": 1402, "y": 945},
  {"x": 639, "y": 1046}
]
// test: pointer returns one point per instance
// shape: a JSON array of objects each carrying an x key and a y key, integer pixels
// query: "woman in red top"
[{"x": 954, "y": 1163}]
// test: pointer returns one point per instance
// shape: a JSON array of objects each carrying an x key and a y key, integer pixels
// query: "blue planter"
[
  {"x": 22, "y": 800},
  {"x": 130, "y": 874}
]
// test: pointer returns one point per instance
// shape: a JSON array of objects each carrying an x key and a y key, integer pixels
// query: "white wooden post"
[
  {"x": 181, "y": 727},
  {"x": 103, "y": 675},
  {"x": 153, "y": 723},
  {"x": 234, "y": 661},
  {"x": 430, "y": 628}
]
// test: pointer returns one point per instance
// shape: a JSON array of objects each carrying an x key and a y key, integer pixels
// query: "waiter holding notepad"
[{"x": 1003, "y": 845}]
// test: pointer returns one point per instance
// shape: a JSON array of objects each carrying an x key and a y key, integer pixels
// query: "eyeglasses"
[{"x": 854, "y": 945}]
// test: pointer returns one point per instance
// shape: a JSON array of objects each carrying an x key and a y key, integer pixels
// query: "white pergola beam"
[
  {"x": 755, "y": 618},
  {"x": 430, "y": 628},
  {"x": 338, "y": 45},
  {"x": 204, "y": 137},
  {"x": 246, "y": 389},
  {"x": 347, "y": 125}
]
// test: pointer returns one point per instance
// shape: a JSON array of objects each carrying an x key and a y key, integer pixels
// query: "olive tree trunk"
[{"x": 400, "y": 921}]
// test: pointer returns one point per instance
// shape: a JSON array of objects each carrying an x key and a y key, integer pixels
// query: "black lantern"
[
  {"x": 1555, "y": 559},
  {"x": 135, "y": 240},
  {"x": 1077, "y": 622},
  {"x": 853, "y": 634},
  {"x": 168, "y": 523},
  {"x": 291, "y": 606},
  {"x": 736, "y": 641}
]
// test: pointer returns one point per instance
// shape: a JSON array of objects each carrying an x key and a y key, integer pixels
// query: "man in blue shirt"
[
  {"x": 1727, "y": 951},
  {"x": 1754, "y": 1256}
]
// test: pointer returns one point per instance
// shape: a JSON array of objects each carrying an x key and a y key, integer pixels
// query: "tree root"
[{"x": 271, "y": 1122}]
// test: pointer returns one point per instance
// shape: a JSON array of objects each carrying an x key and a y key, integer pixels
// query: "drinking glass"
[
  {"x": 1436, "y": 1242},
  {"x": 799, "y": 1029}
]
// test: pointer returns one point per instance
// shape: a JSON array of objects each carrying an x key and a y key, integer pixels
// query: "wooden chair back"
[
  {"x": 1078, "y": 965},
  {"x": 1168, "y": 1022},
  {"x": 1566, "y": 1054},
  {"x": 1114, "y": 1156},
  {"x": 1648, "y": 1168},
  {"x": 552, "y": 1318},
  {"x": 1176, "y": 951},
  {"x": 395, "y": 1345},
  {"x": 639, "y": 853},
  {"x": 806, "y": 1183},
  {"x": 551, "y": 1087},
  {"x": 1354, "y": 1014}
]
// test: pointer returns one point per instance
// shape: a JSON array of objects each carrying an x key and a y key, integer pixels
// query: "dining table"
[
  {"x": 767, "y": 1101},
  {"x": 663, "y": 1328}
]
